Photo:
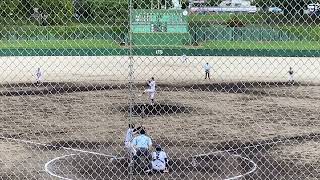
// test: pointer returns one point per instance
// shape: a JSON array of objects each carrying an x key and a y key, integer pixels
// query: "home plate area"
[{"x": 220, "y": 164}]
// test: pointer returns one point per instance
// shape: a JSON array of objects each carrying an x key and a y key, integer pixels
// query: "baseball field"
[{"x": 246, "y": 122}]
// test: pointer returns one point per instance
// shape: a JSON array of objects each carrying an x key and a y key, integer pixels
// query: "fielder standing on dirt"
[
  {"x": 291, "y": 80},
  {"x": 184, "y": 58},
  {"x": 39, "y": 76},
  {"x": 207, "y": 68}
]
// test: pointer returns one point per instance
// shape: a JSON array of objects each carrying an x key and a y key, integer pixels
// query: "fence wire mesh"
[{"x": 150, "y": 89}]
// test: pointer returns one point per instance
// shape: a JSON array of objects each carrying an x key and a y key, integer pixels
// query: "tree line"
[
  {"x": 58, "y": 12},
  {"x": 112, "y": 11}
]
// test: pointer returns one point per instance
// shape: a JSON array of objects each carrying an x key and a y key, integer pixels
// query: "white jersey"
[
  {"x": 152, "y": 85},
  {"x": 129, "y": 135},
  {"x": 184, "y": 58},
  {"x": 39, "y": 75},
  {"x": 159, "y": 160},
  {"x": 142, "y": 141}
]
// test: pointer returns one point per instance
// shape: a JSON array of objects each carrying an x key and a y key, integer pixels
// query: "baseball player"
[
  {"x": 151, "y": 90},
  {"x": 207, "y": 68},
  {"x": 159, "y": 161},
  {"x": 39, "y": 76},
  {"x": 128, "y": 138},
  {"x": 184, "y": 58},
  {"x": 291, "y": 80}
]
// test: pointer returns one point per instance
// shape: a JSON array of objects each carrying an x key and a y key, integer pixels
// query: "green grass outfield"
[
  {"x": 92, "y": 44},
  {"x": 58, "y": 44},
  {"x": 273, "y": 45}
]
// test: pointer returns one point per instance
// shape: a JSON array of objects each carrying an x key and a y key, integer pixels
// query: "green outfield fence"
[{"x": 141, "y": 51}]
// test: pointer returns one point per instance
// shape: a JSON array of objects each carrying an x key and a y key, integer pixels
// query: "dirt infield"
[
  {"x": 259, "y": 121},
  {"x": 82, "y": 109},
  {"x": 168, "y": 69}
]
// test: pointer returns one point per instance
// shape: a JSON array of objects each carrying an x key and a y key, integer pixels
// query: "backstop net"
[{"x": 159, "y": 89}]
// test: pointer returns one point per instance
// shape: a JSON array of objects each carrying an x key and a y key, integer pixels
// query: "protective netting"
[{"x": 223, "y": 89}]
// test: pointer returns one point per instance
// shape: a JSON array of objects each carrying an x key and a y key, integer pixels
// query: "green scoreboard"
[
  {"x": 159, "y": 27},
  {"x": 159, "y": 20}
]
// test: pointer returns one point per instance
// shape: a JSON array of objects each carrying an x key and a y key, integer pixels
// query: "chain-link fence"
[{"x": 150, "y": 89}]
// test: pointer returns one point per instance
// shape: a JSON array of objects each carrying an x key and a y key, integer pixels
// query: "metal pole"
[
  {"x": 131, "y": 99},
  {"x": 130, "y": 78}
]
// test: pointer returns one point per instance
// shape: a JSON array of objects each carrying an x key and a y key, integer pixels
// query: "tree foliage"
[
  {"x": 146, "y": 4},
  {"x": 290, "y": 7},
  {"x": 104, "y": 11},
  {"x": 213, "y": 2},
  {"x": 109, "y": 11},
  {"x": 57, "y": 11},
  {"x": 294, "y": 7},
  {"x": 8, "y": 7},
  {"x": 25, "y": 8}
]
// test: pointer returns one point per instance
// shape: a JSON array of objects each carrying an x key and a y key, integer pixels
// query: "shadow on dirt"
[
  {"x": 24, "y": 89},
  {"x": 156, "y": 109},
  {"x": 231, "y": 87}
]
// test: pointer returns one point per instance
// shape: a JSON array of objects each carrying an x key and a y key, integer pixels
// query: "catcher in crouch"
[{"x": 159, "y": 161}]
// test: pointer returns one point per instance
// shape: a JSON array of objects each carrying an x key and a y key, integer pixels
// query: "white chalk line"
[
  {"x": 253, "y": 169},
  {"x": 46, "y": 167},
  {"x": 255, "y": 166},
  {"x": 47, "y": 145}
]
